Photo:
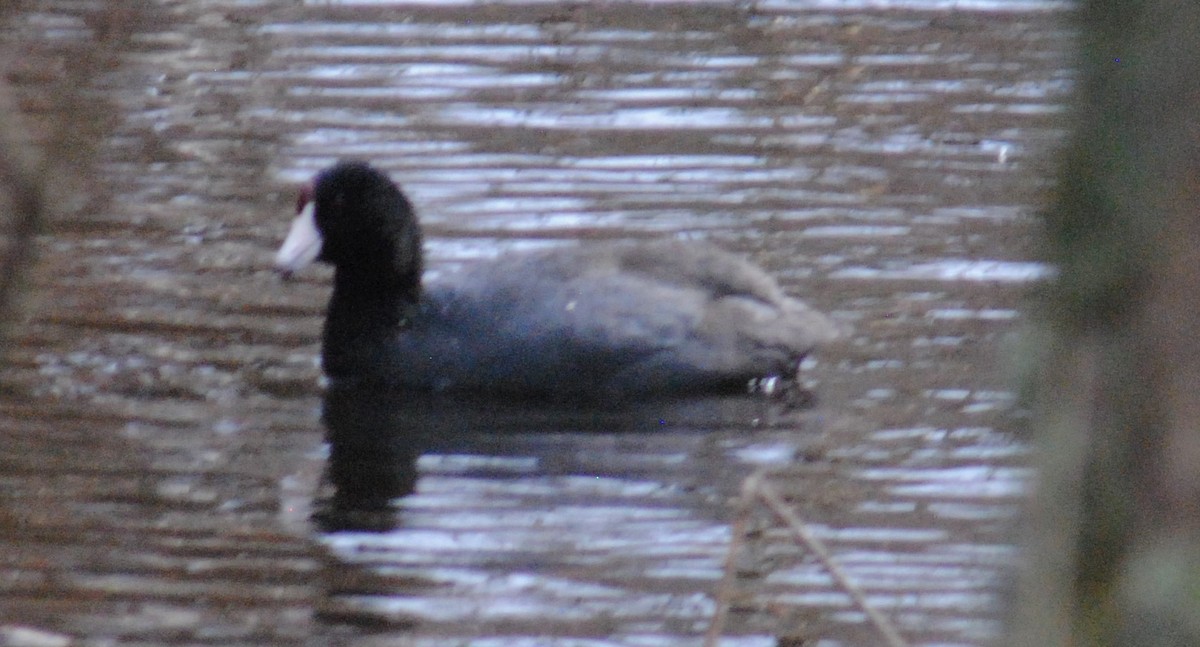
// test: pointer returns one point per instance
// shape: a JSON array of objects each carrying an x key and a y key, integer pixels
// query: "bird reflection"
[
  {"x": 376, "y": 434},
  {"x": 373, "y": 451}
]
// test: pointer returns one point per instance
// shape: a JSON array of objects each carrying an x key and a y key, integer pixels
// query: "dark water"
[{"x": 162, "y": 453}]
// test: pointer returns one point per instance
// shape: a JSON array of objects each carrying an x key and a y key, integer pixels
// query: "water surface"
[{"x": 162, "y": 450}]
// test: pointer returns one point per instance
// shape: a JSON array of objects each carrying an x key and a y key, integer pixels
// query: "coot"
[{"x": 600, "y": 321}]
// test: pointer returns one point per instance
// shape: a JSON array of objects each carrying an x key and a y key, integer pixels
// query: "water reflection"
[
  {"x": 377, "y": 436},
  {"x": 476, "y": 516}
]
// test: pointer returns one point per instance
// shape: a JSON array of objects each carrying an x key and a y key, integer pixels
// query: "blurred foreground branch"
[
  {"x": 53, "y": 117},
  {"x": 22, "y": 199},
  {"x": 1114, "y": 550}
]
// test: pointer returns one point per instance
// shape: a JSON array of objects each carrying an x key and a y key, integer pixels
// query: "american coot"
[{"x": 601, "y": 321}]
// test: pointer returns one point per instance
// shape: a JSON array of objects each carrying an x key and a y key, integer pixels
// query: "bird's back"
[{"x": 607, "y": 320}]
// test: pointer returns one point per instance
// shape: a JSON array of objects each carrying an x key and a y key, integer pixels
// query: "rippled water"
[{"x": 162, "y": 451}]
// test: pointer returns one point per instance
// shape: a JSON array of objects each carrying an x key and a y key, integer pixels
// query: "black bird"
[{"x": 599, "y": 321}]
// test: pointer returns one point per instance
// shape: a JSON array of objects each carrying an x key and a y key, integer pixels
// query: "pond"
[{"x": 165, "y": 479}]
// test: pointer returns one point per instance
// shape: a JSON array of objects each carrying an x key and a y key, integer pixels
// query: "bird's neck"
[{"x": 365, "y": 313}]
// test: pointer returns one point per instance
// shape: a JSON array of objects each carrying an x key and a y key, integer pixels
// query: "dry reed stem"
[{"x": 756, "y": 487}]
